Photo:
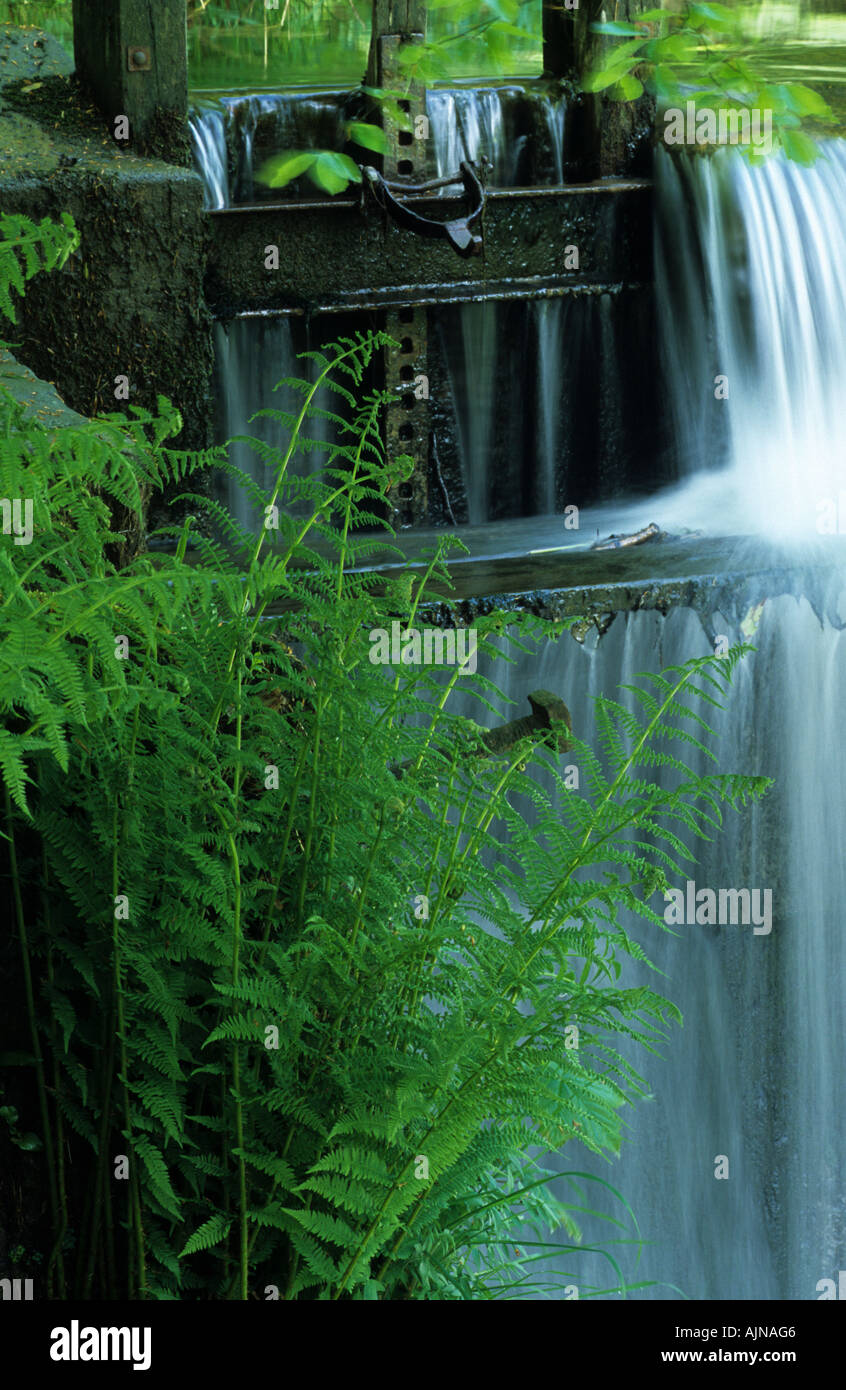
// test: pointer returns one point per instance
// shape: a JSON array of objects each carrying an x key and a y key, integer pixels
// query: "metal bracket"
[
  {"x": 458, "y": 232},
  {"x": 549, "y": 722},
  {"x": 139, "y": 58}
]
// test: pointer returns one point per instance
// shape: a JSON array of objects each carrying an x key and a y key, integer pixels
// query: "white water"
[
  {"x": 209, "y": 136},
  {"x": 751, "y": 286},
  {"x": 555, "y": 114},
  {"x": 468, "y": 125},
  {"x": 756, "y": 1073},
  {"x": 753, "y": 289},
  {"x": 224, "y": 136},
  {"x": 550, "y": 329},
  {"x": 252, "y": 356},
  {"x": 465, "y": 124},
  {"x": 472, "y": 124},
  {"x": 473, "y": 386}
]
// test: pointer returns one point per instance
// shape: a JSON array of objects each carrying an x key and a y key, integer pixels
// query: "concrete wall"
[{"x": 130, "y": 302}]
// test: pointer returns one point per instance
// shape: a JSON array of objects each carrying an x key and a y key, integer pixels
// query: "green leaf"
[
  {"x": 806, "y": 102},
  {"x": 282, "y": 169},
  {"x": 506, "y": 10},
  {"x": 212, "y": 1232},
  {"x": 630, "y": 88},
  {"x": 798, "y": 146},
  {"x": 369, "y": 137},
  {"x": 711, "y": 17},
  {"x": 666, "y": 84},
  {"x": 334, "y": 172},
  {"x": 29, "y": 1142}
]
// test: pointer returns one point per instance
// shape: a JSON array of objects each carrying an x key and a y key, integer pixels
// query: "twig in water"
[{"x": 441, "y": 482}]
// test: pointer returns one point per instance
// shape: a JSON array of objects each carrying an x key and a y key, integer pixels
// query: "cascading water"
[
  {"x": 751, "y": 281},
  {"x": 252, "y": 356},
  {"x": 550, "y": 360},
  {"x": 751, "y": 272},
  {"x": 239, "y": 132},
  {"x": 572, "y": 437},
  {"x": 208, "y": 127},
  {"x": 473, "y": 383},
  {"x": 554, "y": 110},
  {"x": 756, "y": 1072},
  {"x": 520, "y": 135},
  {"x": 468, "y": 125},
  {"x": 503, "y": 125}
]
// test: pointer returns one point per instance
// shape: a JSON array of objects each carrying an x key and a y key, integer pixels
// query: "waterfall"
[
  {"x": 756, "y": 1072},
  {"x": 751, "y": 282},
  {"x": 555, "y": 115},
  {"x": 751, "y": 271},
  {"x": 240, "y": 132},
  {"x": 520, "y": 133},
  {"x": 211, "y": 155},
  {"x": 468, "y": 124},
  {"x": 541, "y": 413},
  {"x": 252, "y": 357},
  {"x": 472, "y": 376},
  {"x": 550, "y": 315}
]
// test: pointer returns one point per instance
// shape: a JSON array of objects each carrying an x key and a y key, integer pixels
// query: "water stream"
[
  {"x": 756, "y": 1072},
  {"x": 518, "y": 132},
  {"x": 751, "y": 289},
  {"x": 751, "y": 294}
]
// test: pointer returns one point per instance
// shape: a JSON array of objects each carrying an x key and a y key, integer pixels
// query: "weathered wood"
[{"x": 133, "y": 56}]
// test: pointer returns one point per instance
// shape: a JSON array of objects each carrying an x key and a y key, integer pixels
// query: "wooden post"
[
  {"x": 600, "y": 131},
  {"x": 133, "y": 54}
]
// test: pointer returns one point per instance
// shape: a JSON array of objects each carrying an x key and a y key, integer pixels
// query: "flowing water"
[
  {"x": 751, "y": 283},
  {"x": 252, "y": 357},
  {"x": 756, "y": 1072},
  {"x": 751, "y": 271},
  {"x": 234, "y": 135},
  {"x": 751, "y": 293},
  {"x": 518, "y": 132}
]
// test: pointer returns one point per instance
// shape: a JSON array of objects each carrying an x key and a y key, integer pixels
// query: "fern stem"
[
  {"x": 236, "y": 1053},
  {"x": 236, "y": 1084},
  {"x": 31, "y": 1014},
  {"x": 57, "y": 1258},
  {"x": 102, "y": 1149},
  {"x": 136, "y": 1259}
]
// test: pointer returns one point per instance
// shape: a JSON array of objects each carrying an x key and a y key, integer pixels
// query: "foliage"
[
  {"x": 332, "y": 171},
  {"x": 701, "y": 53},
  {"x": 494, "y": 25},
  {"x": 302, "y": 967},
  {"x": 27, "y": 247}
]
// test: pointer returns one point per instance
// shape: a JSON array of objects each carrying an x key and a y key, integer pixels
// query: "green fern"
[{"x": 314, "y": 1088}]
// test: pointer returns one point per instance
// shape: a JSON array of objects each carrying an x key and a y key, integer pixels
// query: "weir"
[{"x": 556, "y": 381}]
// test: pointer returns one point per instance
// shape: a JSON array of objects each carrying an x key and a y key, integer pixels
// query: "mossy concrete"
[
  {"x": 130, "y": 301},
  {"x": 39, "y": 400},
  {"x": 329, "y": 251}
]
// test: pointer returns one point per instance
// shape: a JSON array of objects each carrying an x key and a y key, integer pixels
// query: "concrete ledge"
[{"x": 329, "y": 250}]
